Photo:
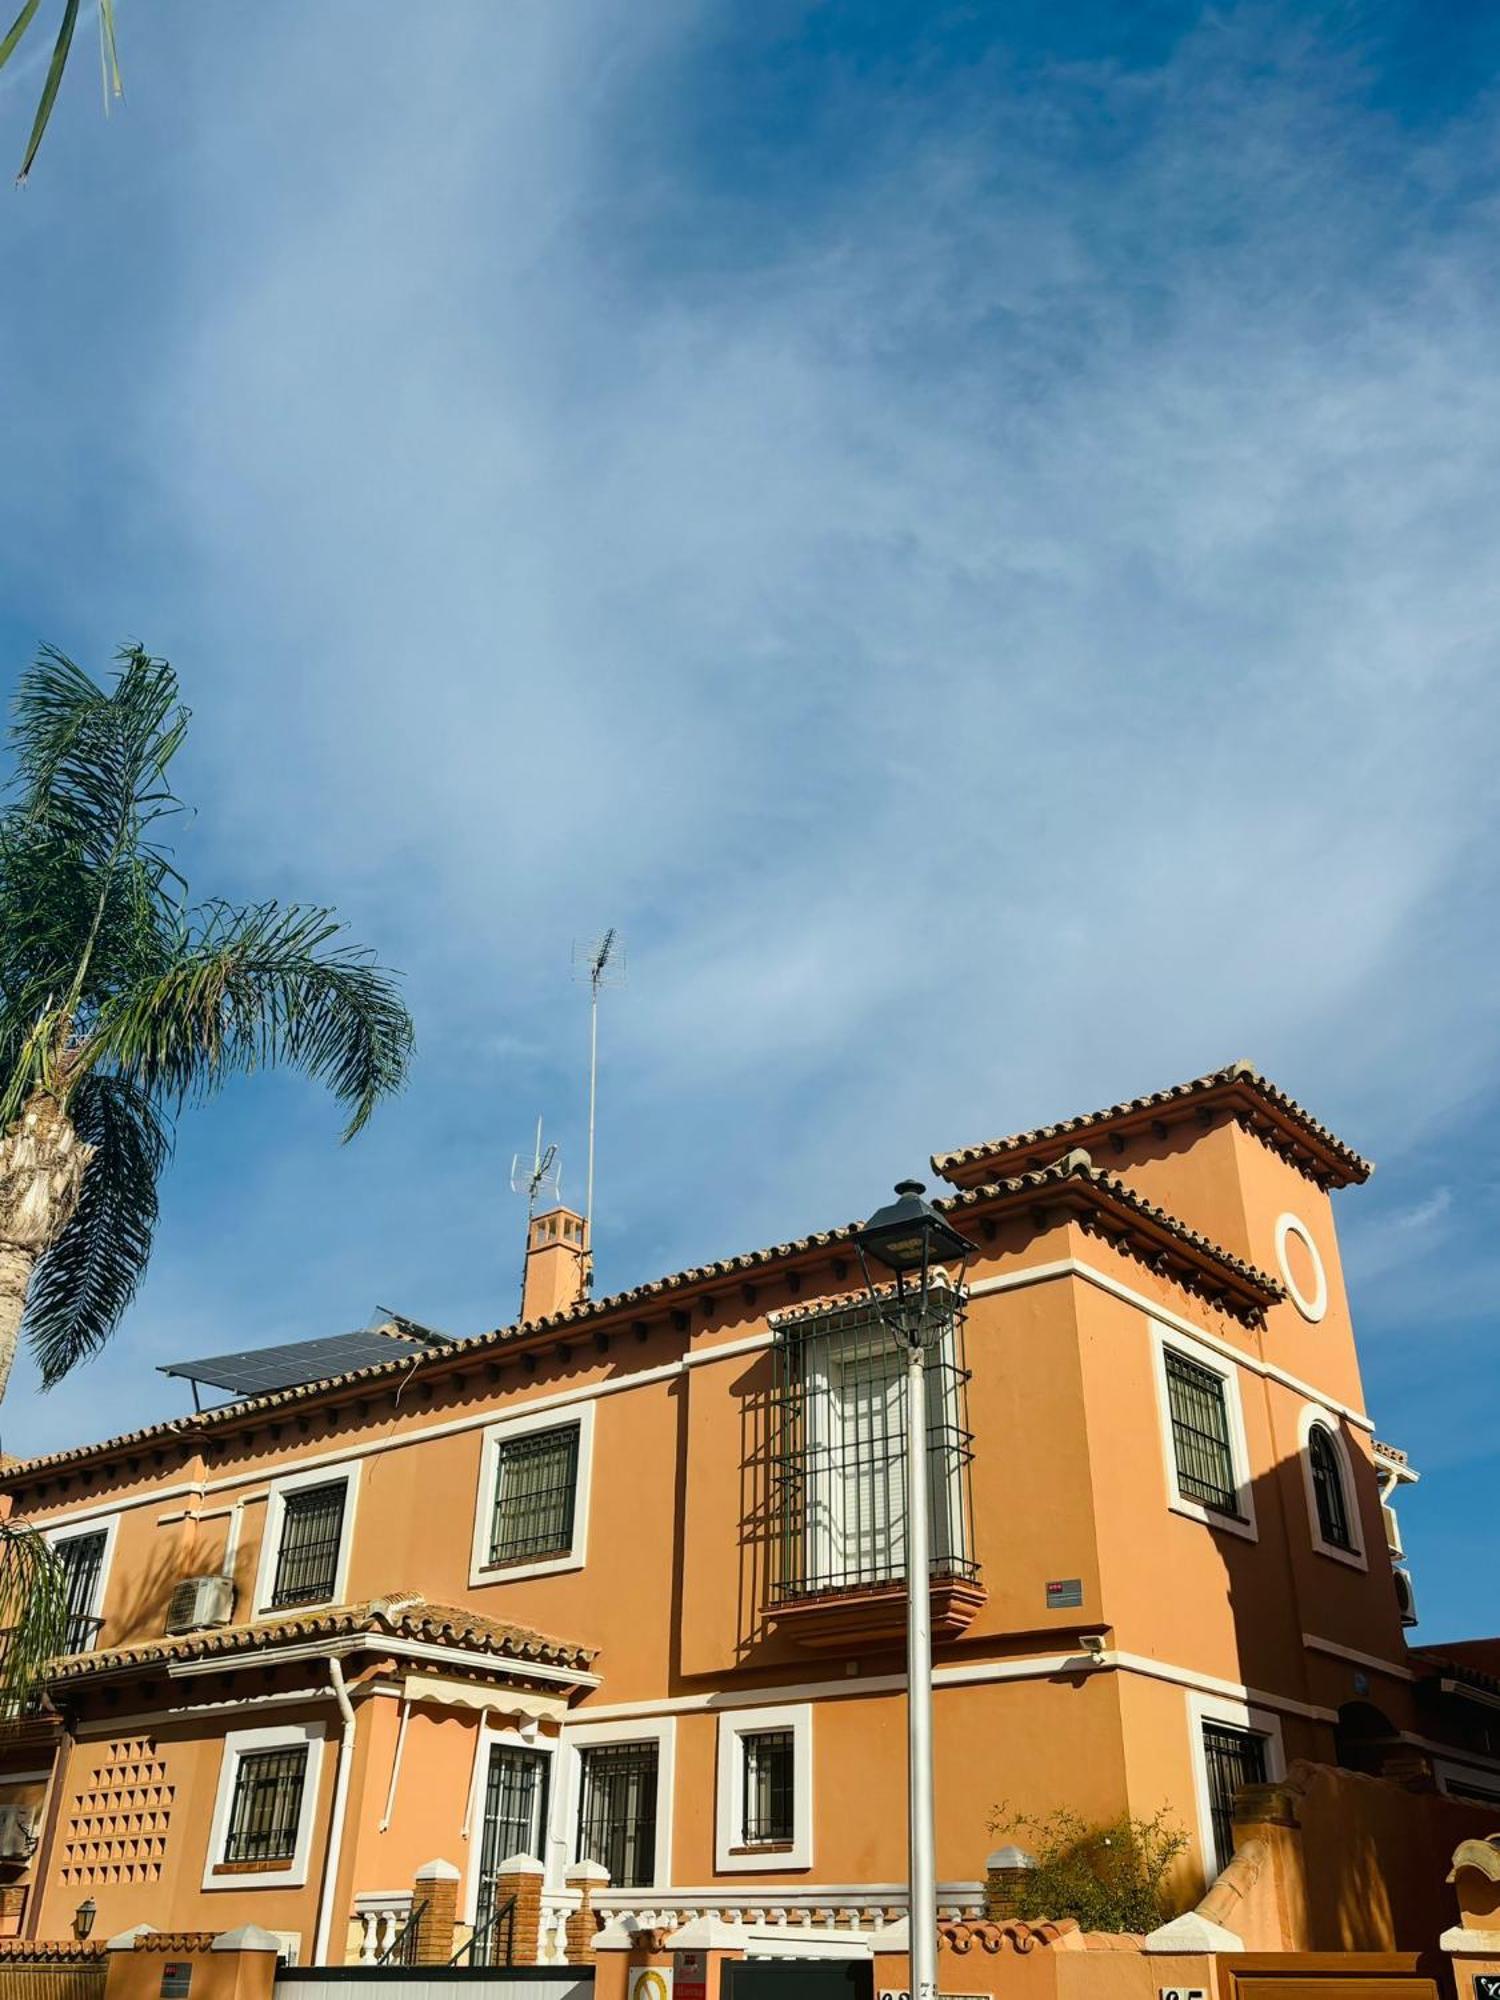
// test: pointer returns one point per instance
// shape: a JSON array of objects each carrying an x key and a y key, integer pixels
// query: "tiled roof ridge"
[
  {"x": 403, "y": 1615},
  {"x": 1078, "y": 1165},
  {"x": 1072, "y": 1165},
  {"x": 1355, "y": 1166},
  {"x": 962, "y": 1935}
]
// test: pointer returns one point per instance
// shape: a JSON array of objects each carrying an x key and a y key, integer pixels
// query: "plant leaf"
[
  {"x": 22, "y": 22},
  {"x": 109, "y": 53},
  {"x": 49, "y": 89},
  {"x": 33, "y": 1611}
]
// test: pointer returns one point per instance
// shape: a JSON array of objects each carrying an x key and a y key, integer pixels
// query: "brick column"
[
  {"x": 1004, "y": 1873},
  {"x": 519, "y": 1876},
  {"x": 588, "y": 1878},
  {"x": 435, "y": 1886}
]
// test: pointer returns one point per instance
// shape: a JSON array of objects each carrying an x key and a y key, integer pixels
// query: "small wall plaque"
[
  {"x": 176, "y": 1979},
  {"x": 1065, "y": 1593}
]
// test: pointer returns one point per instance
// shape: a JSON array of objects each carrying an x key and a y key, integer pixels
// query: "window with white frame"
[
  {"x": 1233, "y": 1745},
  {"x": 84, "y": 1554},
  {"x": 304, "y": 1557},
  {"x": 615, "y": 1787},
  {"x": 1332, "y": 1500},
  {"x": 763, "y": 1815},
  {"x": 532, "y": 1516},
  {"x": 1203, "y": 1433},
  {"x": 261, "y": 1833}
]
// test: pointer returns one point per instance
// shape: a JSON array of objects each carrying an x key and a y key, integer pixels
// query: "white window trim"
[
  {"x": 71, "y": 1531},
  {"x": 491, "y": 1737},
  {"x": 1203, "y": 1708},
  {"x": 731, "y": 1855},
  {"x": 1314, "y": 1414},
  {"x": 569, "y": 1773},
  {"x": 236, "y": 1744},
  {"x": 481, "y": 1572},
  {"x": 1239, "y": 1452},
  {"x": 270, "y": 1541}
]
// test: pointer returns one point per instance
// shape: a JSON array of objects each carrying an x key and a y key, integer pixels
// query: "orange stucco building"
[{"x": 621, "y": 1587}]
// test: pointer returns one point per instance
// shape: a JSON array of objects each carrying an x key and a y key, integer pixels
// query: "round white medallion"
[{"x": 1310, "y": 1308}]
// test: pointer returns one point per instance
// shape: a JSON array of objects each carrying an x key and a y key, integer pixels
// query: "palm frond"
[
  {"x": 83, "y": 1284},
  {"x": 18, "y": 28},
  {"x": 92, "y": 761},
  {"x": 55, "y": 70},
  {"x": 33, "y": 1611},
  {"x": 252, "y": 988}
]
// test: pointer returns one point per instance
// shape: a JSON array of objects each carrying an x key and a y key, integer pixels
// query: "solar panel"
[{"x": 261, "y": 1370}]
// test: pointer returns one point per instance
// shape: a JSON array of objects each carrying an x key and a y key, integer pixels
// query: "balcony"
[
  {"x": 874, "y": 1614},
  {"x": 839, "y": 1484}
]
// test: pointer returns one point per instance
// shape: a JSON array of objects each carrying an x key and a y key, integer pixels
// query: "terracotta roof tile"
[
  {"x": 963, "y": 1935},
  {"x": 405, "y": 1615},
  {"x": 1237, "y": 1082},
  {"x": 1252, "y": 1286}
]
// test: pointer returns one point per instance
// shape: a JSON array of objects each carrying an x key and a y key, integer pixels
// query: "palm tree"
[
  {"x": 121, "y": 1002},
  {"x": 108, "y": 56}
]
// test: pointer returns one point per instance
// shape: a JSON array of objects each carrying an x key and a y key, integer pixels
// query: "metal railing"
[
  {"x": 494, "y": 1941},
  {"x": 402, "y": 1949}
]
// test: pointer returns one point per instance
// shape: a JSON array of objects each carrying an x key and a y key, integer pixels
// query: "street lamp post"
[{"x": 911, "y": 1241}]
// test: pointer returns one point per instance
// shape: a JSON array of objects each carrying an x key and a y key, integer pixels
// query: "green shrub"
[{"x": 1109, "y": 1877}]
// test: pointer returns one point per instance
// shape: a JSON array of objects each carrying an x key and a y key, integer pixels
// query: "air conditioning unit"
[
  {"x": 17, "y": 1833},
  {"x": 201, "y": 1601},
  {"x": 1392, "y": 1528},
  {"x": 1406, "y": 1597}
]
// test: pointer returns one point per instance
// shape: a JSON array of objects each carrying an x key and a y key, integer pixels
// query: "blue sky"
[{"x": 967, "y": 532}]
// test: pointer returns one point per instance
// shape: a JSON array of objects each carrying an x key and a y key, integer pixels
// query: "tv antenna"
[
  {"x": 601, "y": 961},
  {"x": 541, "y": 1174}
]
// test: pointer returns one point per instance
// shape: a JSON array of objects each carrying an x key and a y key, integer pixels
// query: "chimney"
[{"x": 556, "y": 1263}]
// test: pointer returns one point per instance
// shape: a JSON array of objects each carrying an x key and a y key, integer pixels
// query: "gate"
[
  {"x": 799, "y": 1979},
  {"x": 1337, "y": 1975}
]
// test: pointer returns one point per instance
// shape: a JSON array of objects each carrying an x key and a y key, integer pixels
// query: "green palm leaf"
[
  {"x": 49, "y": 89},
  {"x": 84, "y": 1282},
  {"x": 33, "y": 1611}
]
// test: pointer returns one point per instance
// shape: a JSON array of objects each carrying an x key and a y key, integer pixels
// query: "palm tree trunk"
[{"x": 42, "y": 1164}]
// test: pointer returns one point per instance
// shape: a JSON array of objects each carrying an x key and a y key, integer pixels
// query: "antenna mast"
[
  {"x": 602, "y": 962},
  {"x": 542, "y": 1172}
]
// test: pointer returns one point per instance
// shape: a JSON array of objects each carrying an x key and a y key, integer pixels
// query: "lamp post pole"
[
  {"x": 910, "y": 1238},
  {"x": 921, "y": 1843}
]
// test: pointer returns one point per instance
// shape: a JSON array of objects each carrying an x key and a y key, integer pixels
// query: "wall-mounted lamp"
[{"x": 83, "y": 1918}]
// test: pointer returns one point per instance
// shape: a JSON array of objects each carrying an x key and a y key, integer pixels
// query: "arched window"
[{"x": 1328, "y": 1488}]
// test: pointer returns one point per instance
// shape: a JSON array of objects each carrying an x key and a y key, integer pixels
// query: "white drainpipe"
[{"x": 336, "y": 1817}]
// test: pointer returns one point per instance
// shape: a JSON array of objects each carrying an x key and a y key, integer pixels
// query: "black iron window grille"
[
  {"x": 267, "y": 1805},
  {"x": 1200, "y": 1434},
  {"x": 1328, "y": 1489},
  {"x": 769, "y": 1782},
  {"x": 617, "y": 1812},
  {"x": 839, "y": 1452},
  {"x": 1234, "y": 1757},
  {"x": 82, "y": 1559},
  {"x": 307, "y": 1560},
  {"x": 536, "y": 1486},
  {"x": 515, "y": 1814}
]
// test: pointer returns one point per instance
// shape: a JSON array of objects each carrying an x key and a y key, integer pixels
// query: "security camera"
[{"x": 1094, "y": 1643}]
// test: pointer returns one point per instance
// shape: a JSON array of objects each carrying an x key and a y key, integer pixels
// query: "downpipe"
[{"x": 336, "y": 1817}]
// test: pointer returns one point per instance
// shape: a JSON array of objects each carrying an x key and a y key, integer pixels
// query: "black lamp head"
[{"x": 908, "y": 1234}]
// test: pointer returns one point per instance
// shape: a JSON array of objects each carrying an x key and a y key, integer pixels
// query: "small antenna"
[
  {"x": 602, "y": 962},
  {"x": 541, "y": 1174}
]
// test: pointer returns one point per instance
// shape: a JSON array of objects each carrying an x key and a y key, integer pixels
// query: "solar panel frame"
[{"x": 262, "y": 1371}]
